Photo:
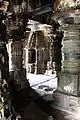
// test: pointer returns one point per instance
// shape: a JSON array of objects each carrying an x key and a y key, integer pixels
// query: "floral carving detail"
[{"x": 60, "y": 5}]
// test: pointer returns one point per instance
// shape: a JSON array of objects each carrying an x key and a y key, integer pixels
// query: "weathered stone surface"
[{"x": 71, "y": 50}]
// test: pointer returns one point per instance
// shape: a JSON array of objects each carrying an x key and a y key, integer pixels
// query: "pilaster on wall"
[{"x": 56, "y": 36}]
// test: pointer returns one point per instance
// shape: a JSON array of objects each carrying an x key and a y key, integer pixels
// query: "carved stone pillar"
[
  {"x": 68, "y": 16},
  {"x": 70, "y": 53}
]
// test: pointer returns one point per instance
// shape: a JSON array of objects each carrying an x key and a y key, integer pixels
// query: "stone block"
[{"x": 69, "y": 83}]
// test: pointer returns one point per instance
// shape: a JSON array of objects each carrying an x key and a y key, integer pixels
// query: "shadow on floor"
[{"x": 29, "y": 104}]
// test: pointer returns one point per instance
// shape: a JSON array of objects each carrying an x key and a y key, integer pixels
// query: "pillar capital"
[{"x": 67, "y": 17}]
